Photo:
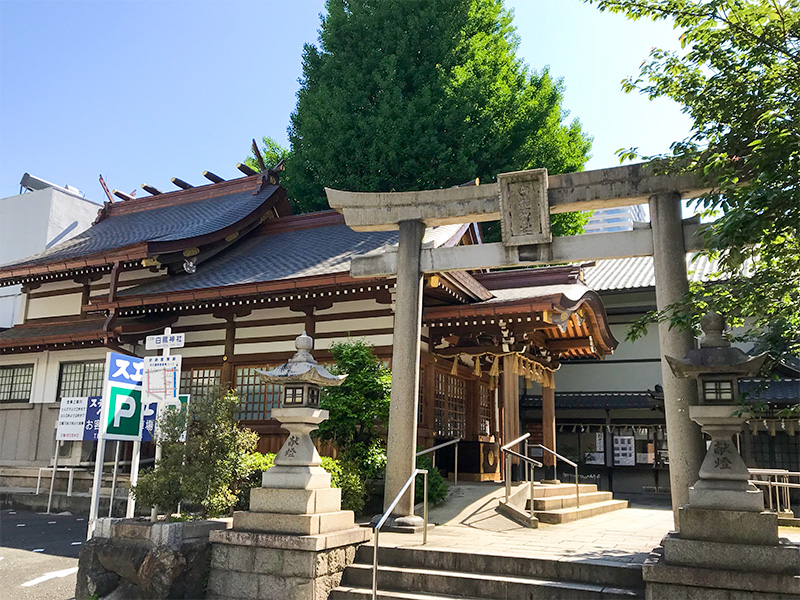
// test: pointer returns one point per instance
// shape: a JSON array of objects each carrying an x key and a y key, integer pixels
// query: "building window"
[
  {"x": 718, "y": 390},
  {"x": 81, "y": 379},
  {"x": 449, "y": 403},
  {"x": 15, "y": 383},
  {"x": 198, "y": 383},
  {"x": 256, "y": 398}
]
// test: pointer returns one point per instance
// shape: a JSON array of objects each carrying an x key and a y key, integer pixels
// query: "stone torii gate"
[{"x": 523, "y": 202}]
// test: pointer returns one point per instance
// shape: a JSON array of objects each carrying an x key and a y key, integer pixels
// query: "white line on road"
[
  {"x": 50, "y": 575},
  {"x": 20, "y": 524},
  {"x": 76, "y": 543},
  {"x": 38, "y": 549},
  {"x": 52, "y": 522}
]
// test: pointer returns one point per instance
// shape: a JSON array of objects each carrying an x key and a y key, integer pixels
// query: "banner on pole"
[{"x": 122, "y": 411}]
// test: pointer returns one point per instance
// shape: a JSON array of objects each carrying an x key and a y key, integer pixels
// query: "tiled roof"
[
  {"x": 637, "y": 272},
  {"x": 567, "y": 400},
  {"x": 287, "y": 254},
  {"x": 172, "y": 222},
  {"x": 271, "y": 257},
  {"x": 778, "y": 391},
  {"x": 70, "y": 330}
]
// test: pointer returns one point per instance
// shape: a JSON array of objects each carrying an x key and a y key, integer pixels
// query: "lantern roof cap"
[
  {"x": 715, "y": 356},
  {"x": 301, "y": 368}
]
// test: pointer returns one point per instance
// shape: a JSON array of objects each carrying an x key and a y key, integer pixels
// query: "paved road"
[{"x": 39, "y": 555}]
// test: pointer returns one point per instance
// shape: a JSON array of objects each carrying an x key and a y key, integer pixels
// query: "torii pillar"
[{"x": 523, "y": 202}]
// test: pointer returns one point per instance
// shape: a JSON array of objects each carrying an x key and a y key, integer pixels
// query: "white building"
[
  {"x": 607, "y": 220},
  {"x": 43, "y": 215}
]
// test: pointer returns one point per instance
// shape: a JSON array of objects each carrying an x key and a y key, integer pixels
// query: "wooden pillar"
[
  {"x": 510, "y": 403},
  {"x": 549, "y": 431},
  {"x": 227, "y": 375}
]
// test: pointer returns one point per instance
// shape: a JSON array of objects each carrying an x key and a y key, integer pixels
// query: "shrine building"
[{"x": 228, "y": 265}]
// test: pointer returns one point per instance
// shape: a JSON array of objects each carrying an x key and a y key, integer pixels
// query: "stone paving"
[{"x": 468, "y": 522}]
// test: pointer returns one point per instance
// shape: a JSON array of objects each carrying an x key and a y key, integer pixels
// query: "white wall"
[{"x": 31, "y": 223}]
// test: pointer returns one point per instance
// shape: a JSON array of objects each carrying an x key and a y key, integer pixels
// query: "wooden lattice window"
[
  {"x": 256, "y": 398},
  {"x": 81, "y": 379},
  {"x": 485, "y": 409},
  {"x": 450, "y": 413},
  {"x": 16, "y": 382},
  {"x": 200, "y": 381}
]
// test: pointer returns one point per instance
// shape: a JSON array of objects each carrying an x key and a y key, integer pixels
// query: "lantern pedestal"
[{"x": 723, "y": 482}]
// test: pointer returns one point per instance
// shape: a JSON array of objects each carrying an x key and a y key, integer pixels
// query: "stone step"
[
  {"x": 566, "y": 515},
  {"x": 569, "y": 501},
  {"x": 354, "y": 593},
  {"x": 547, "y": 490},
  {"x": 595, "y": 571},
  {"x": 471, "y": 585}
]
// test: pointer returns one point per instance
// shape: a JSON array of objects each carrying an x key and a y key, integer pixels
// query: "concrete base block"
[
  {"x": 296, "y": 477},
  {"x": 305, "y": 524},
  {"x": 295, "y": 501},
  {"x": 783, "y": 558},
  {"x": 726, "y": 495},
  {"x": 728, "y": 526},
  {"x": 281, "y": 567},
  {"x": 664, "y": 581}
]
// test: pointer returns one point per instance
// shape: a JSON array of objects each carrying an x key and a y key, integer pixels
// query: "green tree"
[
  {"x": 738, "y": 78},
  {"x": 413, "y": 95},
  {"x": 359, "y": 408}
]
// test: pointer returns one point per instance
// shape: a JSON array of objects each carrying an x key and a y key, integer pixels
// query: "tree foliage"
[
  {"x": 402, "y": 95},
  {"x": 359, "y": 408},
  {"x": 738, "y": 78},
  {"x": 210, "y": 467}
]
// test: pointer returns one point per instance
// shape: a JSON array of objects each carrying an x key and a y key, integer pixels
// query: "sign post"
[
  {"x": 71, "y": 417},
  {"x": 121, "y": 416},
  {"x": 162, "y": 379}
]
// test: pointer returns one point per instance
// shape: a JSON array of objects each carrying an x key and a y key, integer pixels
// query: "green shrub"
[
  {"x": 210, "y": 467},
  {"x": 437, "y": 486}
]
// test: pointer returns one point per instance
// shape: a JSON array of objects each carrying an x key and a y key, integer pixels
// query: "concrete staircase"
[
  {"x": 421, "y": 574},
  {"x": 557, "y": 503}
]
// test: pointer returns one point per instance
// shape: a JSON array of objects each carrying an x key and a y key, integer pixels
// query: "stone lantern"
[
  {"x": 726, "y": 545},
  {"x": 295, "y": 540},
  {"x": 297, "y": 464},
  {"x": 717, "y": 367}
]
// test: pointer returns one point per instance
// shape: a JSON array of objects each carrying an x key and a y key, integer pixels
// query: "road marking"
[
  {"x": 80, "y": 519},
  {"x": 51, "y": 575},
  {"x": 52, "y": 522},
  {"x": 76, "y": 543},
  {"x": 38, "y": 549},
  {"x": 20, "y": 524}
]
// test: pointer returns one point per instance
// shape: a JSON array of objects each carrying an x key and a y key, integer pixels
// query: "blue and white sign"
[
  {"x": 165, "y": 340},
  {"x": 91, "y": 421}
]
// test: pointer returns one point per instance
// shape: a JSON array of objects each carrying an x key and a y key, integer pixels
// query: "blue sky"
[{"x": 145, "y": 91}]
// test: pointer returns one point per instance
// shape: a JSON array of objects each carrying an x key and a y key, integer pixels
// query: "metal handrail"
[
  {"x": 433, "y": 458},
  {"x": 388, "y": 511},
  {"x": 571, "y": 463},
  {"x": 777, "y": 481},
  {"x": 529, "y": 462}
]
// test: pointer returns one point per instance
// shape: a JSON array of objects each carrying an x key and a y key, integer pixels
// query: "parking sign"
[{"x": 122, "y": 412}]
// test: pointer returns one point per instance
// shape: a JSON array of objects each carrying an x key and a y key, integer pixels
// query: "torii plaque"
[{"x": 523, "y": 201}]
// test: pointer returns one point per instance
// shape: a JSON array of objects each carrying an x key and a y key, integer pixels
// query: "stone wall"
[
  {"x": 262, "y": 566},
  {"x": 137, "y": 560}
]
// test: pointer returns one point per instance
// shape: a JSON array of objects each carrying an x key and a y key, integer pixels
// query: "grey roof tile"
[
  {"x": 272, "y": 257},
  {"x": 162, "y": 224},
  {"x": 637, "y": 272}
]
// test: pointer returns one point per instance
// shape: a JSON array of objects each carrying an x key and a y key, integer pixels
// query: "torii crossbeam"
[{"x": 523, "y": 202}]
